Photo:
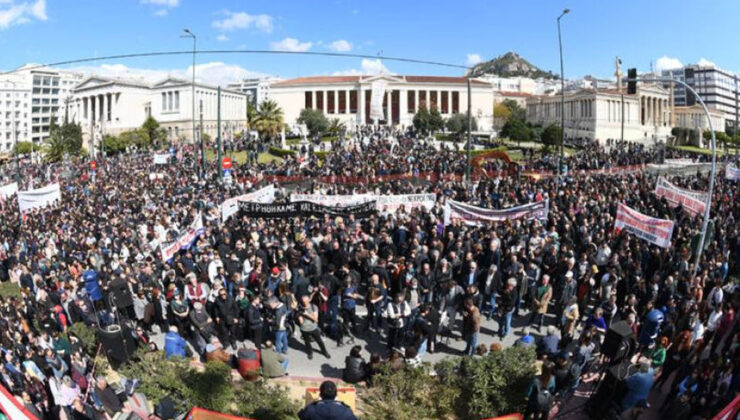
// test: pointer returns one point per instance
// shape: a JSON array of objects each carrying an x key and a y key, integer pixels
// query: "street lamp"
[
  {"x": 562, "y": 97},
  {"x": 187, "y": 34}
]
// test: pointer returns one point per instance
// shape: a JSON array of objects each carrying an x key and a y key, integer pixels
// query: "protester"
[{"x": 327, "y": 407}]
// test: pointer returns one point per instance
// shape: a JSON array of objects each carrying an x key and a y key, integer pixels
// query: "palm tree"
[
  {"x": 335, "y": 127},
  {"x": 54, "y": 147},
  {"x": 268, "y": 120}
]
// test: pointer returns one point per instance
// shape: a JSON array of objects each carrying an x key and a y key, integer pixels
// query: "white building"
[
  {"x": 257, "y": 89},
  {"x": 693, "y": 117},
  {"x": 38, "y": 94},
  {"x": 110, "y": 106},
  {"x": 597, "y": 114},
  {"x": 348, "y": 98},
  {"x": 511, "y": 84}
]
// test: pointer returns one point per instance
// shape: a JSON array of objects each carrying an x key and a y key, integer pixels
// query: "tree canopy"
[
  {"x": 315, "y": 121},
  {"x": 66, "y": 138},
  {"x": 458, "y": 124},
  {"x": 268, "y": 120},
  {"x": 428, "y": 121},
  {"x": 517, "y": 130}
]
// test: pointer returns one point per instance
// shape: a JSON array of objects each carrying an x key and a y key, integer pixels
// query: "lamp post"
[
  {"x": 705, "y": 223},
  {"x": 188, "y": 34},
  {"x": 562, "y": 97}
]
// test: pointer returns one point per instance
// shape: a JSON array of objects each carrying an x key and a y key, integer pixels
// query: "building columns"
[{"x": 361, "y": 106}]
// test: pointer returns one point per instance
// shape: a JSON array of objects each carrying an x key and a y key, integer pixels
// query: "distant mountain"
[{"x": 509, "y": 65}]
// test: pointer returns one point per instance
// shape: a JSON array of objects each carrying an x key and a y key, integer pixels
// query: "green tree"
[
  {"x": 421, "y": 120},
  {"x": 113, "y": 145},
  {"x": 66, "y": 138},
  {"x": 458, "y": 124},
  {"x": 436, "y": 122},
  {"x": 261, "y": 401},
  {"x": 156, "y": 134},
  {"x": 160, "y": 378},
  {"x": 336, "y": 127},
  {"x": 251, "y": 111},
  {"x": 550, "y": 136},
  {"x": 269, "y": 120},
  {"x": 517, "y": 130},
  {"x": 24, "y": 148},
  {"x": 515, "y": 111},
  {"x": 315, "y": 121},
  {"x": 501, "y": 114},
  {"x": 211, "y": 388}
]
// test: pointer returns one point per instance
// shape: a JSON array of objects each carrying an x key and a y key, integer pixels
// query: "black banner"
[{"x": 304, "y": 208}]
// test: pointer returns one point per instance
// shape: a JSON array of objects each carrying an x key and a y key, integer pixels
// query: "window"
[
  {"x": 353, "y": 101},
  {"x": 342, "y": 101},
  {"x": 411, "y": 101},
  {"x": 455, "y": 102},
  {"x": 445, "y": 102},
  {"x": 308, "y": 101},
  {"x": 330, "y": 101},
  {"x": 320, "y": 100},
  {"x": 433, "y": 100},
  {"x": 423, "y": 99}
]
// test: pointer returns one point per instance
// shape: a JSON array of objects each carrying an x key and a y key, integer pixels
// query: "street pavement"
[{"x": 371, "y": 342}]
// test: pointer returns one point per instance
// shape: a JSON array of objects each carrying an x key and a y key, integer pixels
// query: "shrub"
[
  {"x": 8, "y": 289},
  {"x": 264, "y": 402},
  {"x": 210, "y": 388},
  {"x": 86, "y": 335},
  {"x": 321, "y": 154},
  {"x": 276, "y": 151},
  {"x": 160, "y": 378}
]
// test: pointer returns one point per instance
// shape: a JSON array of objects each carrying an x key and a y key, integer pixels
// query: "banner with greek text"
[
  {"x": 655, "y": 231},
  {"x": 38, "y": 198},
  {"x": 732, "y": 172},
  {"x": 185, "y": 240},
  {"x": 304, "y": 208},
  {"x": 230, "y": 206},
  {"x": 472, "y": 215},
  {"x": 377, "y": 93},
  {"x": 161, "y": 158},
  {"x": 693, "y": 201},
  {"x": 333, "y": 200},
  {"x": 391, "y": 203},
  {"x": 8, "y": 190}
]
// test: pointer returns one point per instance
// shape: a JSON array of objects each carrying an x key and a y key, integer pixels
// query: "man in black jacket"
[
  {"x": 226, "y": 317},
  {"x": 506, "y": 302},
  {"x": 254, "y": 320}
]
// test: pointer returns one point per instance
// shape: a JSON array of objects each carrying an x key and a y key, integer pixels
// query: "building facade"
[
  {"x": 597, "y": 114},
  {"x": 105, "y": 106},
  {"x": 348, "y": 98},
  {"x": 256, "y": 89},
  {"x": 717, "y": 88},
  {"x": 693, "y": 117},
  {"x": 15, "y": 100}
]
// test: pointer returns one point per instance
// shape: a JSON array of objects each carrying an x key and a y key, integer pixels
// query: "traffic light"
[{"x": 631, "y": 81}]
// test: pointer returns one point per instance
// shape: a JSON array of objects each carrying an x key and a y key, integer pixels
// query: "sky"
[{"x": 657, "y": 33}]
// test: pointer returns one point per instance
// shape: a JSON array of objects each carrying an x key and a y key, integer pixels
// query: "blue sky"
[{"x": 662, "y": 32}]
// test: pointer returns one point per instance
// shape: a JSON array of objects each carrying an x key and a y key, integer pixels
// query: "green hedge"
[
  {"x": 475, "y": 153},
  {"x": 321, "y": 154},
  {"x": 276, "y": 151}
]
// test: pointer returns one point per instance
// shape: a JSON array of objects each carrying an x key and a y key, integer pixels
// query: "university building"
[
  {"x": 596, "y": 114},
  {"x": 348, "y": 98},
  {"x": 110, "y": 106}
]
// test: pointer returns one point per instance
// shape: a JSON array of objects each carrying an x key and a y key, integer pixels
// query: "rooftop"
[{"x": 318, "y": 80}]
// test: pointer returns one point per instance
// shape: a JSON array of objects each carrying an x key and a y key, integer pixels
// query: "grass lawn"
[
  {"x": 241, "y": 157},
  {"x": 291, "y": 142},
  {"x": 695, "y": 149}
]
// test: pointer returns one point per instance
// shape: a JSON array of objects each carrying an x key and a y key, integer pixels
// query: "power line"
[{"x": 305, "y": 53}]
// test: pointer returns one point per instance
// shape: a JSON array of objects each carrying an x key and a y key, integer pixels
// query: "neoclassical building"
[
  {"x": 597, "y": 113},
  {"x": 110, "y": 106},
  {"x": 349, "y": 97}
]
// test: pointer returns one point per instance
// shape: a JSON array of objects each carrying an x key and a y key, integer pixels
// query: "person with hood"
[{"x": 174, "y": 344}]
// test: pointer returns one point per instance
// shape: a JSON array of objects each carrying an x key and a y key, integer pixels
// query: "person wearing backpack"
[{"x": 540, "y": 394}]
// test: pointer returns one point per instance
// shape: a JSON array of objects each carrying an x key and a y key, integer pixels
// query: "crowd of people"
[{"x": 404, "y": 279}]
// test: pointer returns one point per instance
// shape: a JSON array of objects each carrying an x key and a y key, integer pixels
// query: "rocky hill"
[{"x": 509, "y": 65}]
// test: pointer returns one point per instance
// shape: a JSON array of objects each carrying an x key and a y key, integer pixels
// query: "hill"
[{"x": 509, "y": 65}]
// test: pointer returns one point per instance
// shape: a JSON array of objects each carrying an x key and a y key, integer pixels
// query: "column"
[
  {"x": 92, "y": 109},
  {"x": 361, "y": 106},
  {"x": 402, "y": 106},
  {"x": 313, "y": 99},
  {"x": 388, "y": 107},
  {"x": 336, "y": 102},
  {"x": 324, "y": 97},
  {"x": 416, "y": 100},
  {"x": 346, "y": 101}
]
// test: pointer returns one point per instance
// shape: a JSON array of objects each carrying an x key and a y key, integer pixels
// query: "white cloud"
[
  {"x": 165, "y": 3},
  {"x": 222, "y": 38},
  {"x": 368, "y": 67},
  {"x": 706, "y": 63},
  {"x": 215, "y": 73},
  {"x": 667, "y": 63},
  {"x": 241, "y": 20},
  {"x": 291, "y": 44},
  {"x": 340, "y": 45},
  {"x": 161, "y": 12},
  {"x": 474, "y": 59},
  {"x": 13, "y": 13}
]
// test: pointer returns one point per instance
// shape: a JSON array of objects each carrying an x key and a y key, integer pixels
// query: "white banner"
[
  {"x": 391, "y": 203},
  {"x": 693, "y": 201},
  {"x": 13, "y": 408},
  {"x": 161, "y": 158},
  {"x": 185, "y": 240},
  {"x": 230, "y": 206},
  {"x": 333, "y": 200},
  {"x": 8, "y": 190},
  {"x": 154, "y": 175},
  {"x": 40, "y": 197},
  {"x": 732, "y": 172},
  {"x": 472, "y": 215},
  {"x": 376, "y": 100},
  {"x": 655, "y": 231}
]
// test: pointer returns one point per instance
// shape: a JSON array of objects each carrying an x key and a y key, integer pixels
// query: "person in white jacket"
[{"x": 396, "y": 312}]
